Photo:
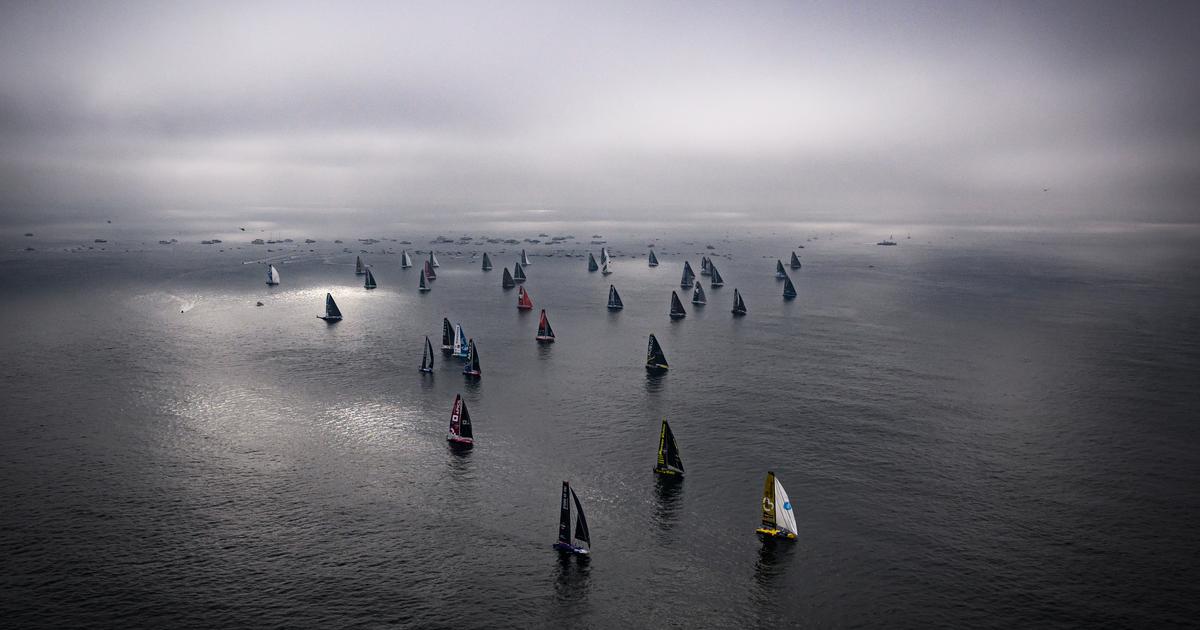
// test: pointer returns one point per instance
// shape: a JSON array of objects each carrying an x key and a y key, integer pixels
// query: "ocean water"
[{"x": 976, "y": 430}]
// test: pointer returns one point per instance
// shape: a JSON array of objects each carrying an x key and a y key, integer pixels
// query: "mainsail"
[
  {"x": 359, "y": 268},
  {"x": 688, "y": 275},
  {"x": 677, "y": 311},
  {"x": 369, "y": 282},
  {"x": 669, "y": 462},
  {"x": 544, "y": 332},
  {"x": 447, "y": 336},
  {"x": 653, "y": 259},
  {"x": 524, "y": 302},
  {"x": 698, "y": 294},
  {"x": 592, "y": 266},
  {"x": 655, "y": 359},
  {"x": 795, "y": 262},
  {"x": 332, "y": 312},
  {"x": 518, "y": 272},
  {"x": 777, "y": 516},
  {"x": 789, "y": 290},
  {"x": 614, "y": 299},
  {"x": 472, "y": 367},
  {"x": 739, "y": 307},
  {"x": 487, "y": 262},
  {"x": 524, "y": 258},
  {"x": 272, "y": 275},
  {"x": 460, "y": 423},
  {"x": 508, "y": 281},
  {"x": 405, "y": 261},
  {"x": 714, "y": 279},
  {"x": 427, "y": 356}
]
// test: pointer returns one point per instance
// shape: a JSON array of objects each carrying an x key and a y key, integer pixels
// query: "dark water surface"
[{"x": 988, "y": 432}]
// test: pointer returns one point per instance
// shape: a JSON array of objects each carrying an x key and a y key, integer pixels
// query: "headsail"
[
  {"x": 524, "y": 258},
  {"x": 789, "y": 290},
  {"x": 518, "y": 272},
  {"x": 524, "y": 302},
  {"x": 433, "y": 259},
  {"x": 614, "y": 299},
  {"x": 688, "y": 275},
  {"x": 698, "y": 295},
  {"x": 369, "y": 282},
  {"x": 472, "y": 367},
  {"x": 508, "y": 281},
  {"x": 669, "y": 462},
  {"x": 653, "y": 259},
  {"x": 272, "y": 275},
  {"x": 581, "y": 528},
  {"x": 544, "y": 332},
  {"x": 795, "y": 262},
  {"x": 677, "y": 311},
  {"x": 715, "y": 279},
  {"x": 655, "y": 358},
  {"x": 427, "y": 356},
  {"x": 592, "y": 266},
  {"x": 487, "y": 262}
]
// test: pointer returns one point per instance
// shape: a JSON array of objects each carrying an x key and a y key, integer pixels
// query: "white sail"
[
  {"x": 272, "y": 275},
  {"x": 405, "y": 261},
  {"x": 784, "y": 517},
  {"x": 433, "y": 260},
  {"x": 458, "y": 339},
  {"x": 604, "y": 268}
]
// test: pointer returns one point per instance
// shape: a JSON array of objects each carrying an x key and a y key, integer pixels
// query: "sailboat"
[
  {"x": 739, "y": 307},
  {"x": 429, "y": 272},
  {"x": 369, "y": 281},
  {"x": 566, "y": 543},
  {"x": 524, "y": 302},
  {"x": 545, "y": 332},
  {"x": 427, "y": 357},
  {"x": 604, "y": 257},
  {"x": 518, "y": 272},
  {"x": 592, "y": 266},
  {"x": 789, "y": 289},
  {"x": 653, "y": 259},
  {"x": 688, "y": 275},
  {"x": 508, "y": 281},
  {"x": 780, "y": 274},
  {"x": 714, "y": 277},
  {"x": 424, "y": 286},
  {"x": 472, "y": 366},
  {"x": 405, "y": 260},
  {"x": 886, "y": 241},
  {"x": 778, "y": 520},
  {"x": 460, "y": 424},
  {"x": 698, "y": 295},
  {"x": 461, "y": 348},
  {"x": 614, "y": 299},
  {"x": 332, "y": 312},
  {"x": 656, "y": 361},
  {"x": 359, "y": 268},
  {"x": 447, "y": 337},
  {"x": 704, "y": 265},
  {"x": 272, "y": 276},
  {"x": 795, "y": 261},
  {"x": 433, "y": 259},
  {"x": 487, "y": 262},
  {"x": 604, "y": 269},
  {"x": 525, "y": 258},
  {"x": 677, "y": 311},
  {"x": 669, "y": 462}
]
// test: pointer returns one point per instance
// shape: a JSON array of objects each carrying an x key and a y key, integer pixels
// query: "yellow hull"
[{"x": 776, "y": 533}]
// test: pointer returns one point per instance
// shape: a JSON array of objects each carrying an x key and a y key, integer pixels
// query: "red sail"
[{"x": 523, "y": 301}]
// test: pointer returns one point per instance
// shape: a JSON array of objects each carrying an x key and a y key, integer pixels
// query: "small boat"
[
  {"x": 433, "y": 259},
  {"x": 669, "y": 462},
  {"x": 524, "y": 302},
  {"x": 778, "y": 520},
  {"x": 698, "y": 295},
  {"x": 423, "y": 287},
  {"x": 460, "y": 424},
  {"x": 359, "y": 268},
  {"x": 508, "y": 281},
  {"x": 780, "y": 274},
  {"x": 525, "y": 258},
  {"x": 472, "y": 366},
  {"x": 677, "y": 311},
  {"x": 405, "y": 260},
  {"x": 487, "y": 262},
  {"x": 462, "y": 349},
  {"x": 369, "y": 281},
  {"x": 427, "y": 357},
  {"x": 518, "y": 272},
  {"x": 604, "y": 268},
  {"x": 653, "y": 259},
  {"x": 887, "y": 241},
  {"x": 789, "y": 289},
  {"x": 545, "y": 332},
  {"x": 566, "y": 543},
  {"x": 447, "y": 337},
  {"x": 429, "y": 272},
  {"x": 795, "y": 262},
  {"x": 592, "y": 266},
  {"x": 614, "y": 299},
  {"x": 332, "y": 313},
  {"x": 656, "y": 361},
  {"x": 688, "y": 276},
  {"x": 714, "y": 277},
  {"x": 705, "y": 265},
  {"x": 272, "y": 276},
  {"x": 739, "y": 307}
]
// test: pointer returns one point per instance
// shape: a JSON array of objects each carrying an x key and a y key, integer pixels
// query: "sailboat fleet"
[{"x": 778, "y": 520}]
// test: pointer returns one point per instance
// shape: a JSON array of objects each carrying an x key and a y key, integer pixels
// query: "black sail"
[
  {"x": 614, "y": 299},
  {"x": 331, "y": 307},
  {"x": 508, "y": 281},
  {"x": 715, "y": 279},
  {"x": 655, "y": 358},
  {"x": 789, "y": 290},
  {"x": 487, "y": 262},
  {"x": 464, "y": 422},
  {"x": 427, "y": 358},
  {"x": 581, "y": 528},
  {"x": 688, "y": 275},
  {"x": 668, "y": 450},
  {"x": 518, "y": 272},
  {"x": 359, "y": 269},
  {"x": 592, "y": 266},
  {"x": 676, "y": 306},
  {"x": 564, "y": 516},
  {"x": 795, "y": 262},
  {"x": 739, "y": 307},
  {"x": 698, "y": 295},
  {"x": 653, "y": 259},
  {"x": 447, "y": 335},
  {"x": 779, "y": 272}
]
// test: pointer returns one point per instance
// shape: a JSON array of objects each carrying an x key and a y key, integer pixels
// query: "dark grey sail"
[
  {"x": 369, "y": 283},
  {"x": 655, "y": 358},
  {"x": 677, "y": 311},
  {"x": 653, "y": 259},
  {"x": 581, "y": 528},
  {"x": 359, "y": 268},
  {"x": 427, "y": 357},
  {"x": 688, "y": 275},
  {"x": 669, "y": 462},
  {"x": 423, "y": 286},
  {"x": 739, "y": 307},
  {"x": 464, "y": 423},
  {"x": 487, "y": 262},
  {"x": 447, "y": 336},
  {"x": 564, "y": 515},
  {"x": 698, "y": 295},
  {"x": 472, "y": 367},
  {"x": 592, "y": 266},
  {"x": 614, "y": 299},
  {"x": 704, "y": 265},
  {"x": 780, "y": 274},
  {"x": 789, "y": 290},
  {"x": 508, "y": 281},
  {"x": 405, "y": 261},
  {"x": 332, "y": 312},
  {"x": 518, "y": 272},
  {"x": 714, "y": 276},
  {"x": 795, "y": 262}
]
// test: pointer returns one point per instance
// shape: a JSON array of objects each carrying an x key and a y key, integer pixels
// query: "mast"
[
  {"x": 487, "y": 262},
  {"x": 508, "y": 281},
  {"x": 715, "y": 279},
  {"x": 655, "y": 359},
  {"x": 614, "y": 299},
  {"x": 369, "y": 283},
  {"x": 653, "y": 259},
  {"x": 789, "y": 290},
  {"x": 677, "y": 311},
  {"x": 592, "y": 266},
  {"x": 698, "y": 295}
]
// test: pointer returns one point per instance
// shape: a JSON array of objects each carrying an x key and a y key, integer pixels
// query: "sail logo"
[
  {"x": 768, "y": 505},
  {"x": 787, "y": 505}
]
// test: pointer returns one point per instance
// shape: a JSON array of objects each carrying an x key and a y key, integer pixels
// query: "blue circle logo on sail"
[{"x": 787, "y": 505}]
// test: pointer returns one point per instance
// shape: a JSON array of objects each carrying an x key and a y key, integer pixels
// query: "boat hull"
[
  {"x": 459, "y": 441},
  {"x": 543, "y": 339},
  {"x": 615, "y": 308},
  {"x": 473, "y": 373},
  {"x": 425, "y": 370},
  {"x": 524, "y": 308},
  {"x": 737, "y": 313},
  {"x": 677, "y": 315},
  {"x": 668, "y": 472},
  {"x": 569, "y": 548},
  {"x": 775, "y": 534},
  {"x": 331, "y": 320},
  {"x": 656, "y": 368}
]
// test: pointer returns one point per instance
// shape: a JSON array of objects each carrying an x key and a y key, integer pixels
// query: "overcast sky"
[{"x": 691, "y": 111}]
